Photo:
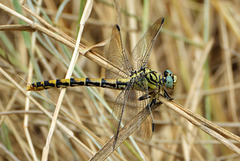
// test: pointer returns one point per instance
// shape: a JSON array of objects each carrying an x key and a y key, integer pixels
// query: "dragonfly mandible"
[{"x": 141, "y": 86}]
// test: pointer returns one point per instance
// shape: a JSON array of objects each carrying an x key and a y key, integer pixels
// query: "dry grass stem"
[{"x": 45, "y": 40}]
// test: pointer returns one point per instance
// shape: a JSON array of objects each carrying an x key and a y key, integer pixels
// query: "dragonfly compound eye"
[
  {"x": 169, "y": 81},
  {"x": 174, "y": 79},
  {"x": 167, "y": 72}
]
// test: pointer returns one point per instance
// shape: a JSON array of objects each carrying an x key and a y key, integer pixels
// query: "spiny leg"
[
  {"x": 145, "y": 96},
  {"x": 166, "y": 95},
  {"x": 150, "y": 94}
]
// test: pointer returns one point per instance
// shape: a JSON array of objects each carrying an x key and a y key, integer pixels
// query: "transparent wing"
[
  {"x": 117, "y": 54},
  {"x": 143, "y": 48},
  {"x": 145, "y": 129},
  {"x": 119, "y": 107},
  {"x": 126, "y": 106}
]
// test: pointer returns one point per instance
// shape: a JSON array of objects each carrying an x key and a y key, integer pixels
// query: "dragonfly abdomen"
[{"x": 97, "y": 82}]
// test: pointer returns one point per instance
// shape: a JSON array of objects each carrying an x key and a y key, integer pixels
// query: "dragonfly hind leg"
[
  {"x": 153, "y": 102},
  {"x": 145, "y": 96}
]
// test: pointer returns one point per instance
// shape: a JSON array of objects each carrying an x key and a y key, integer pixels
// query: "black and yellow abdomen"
[{"x": 57, "y": 83}]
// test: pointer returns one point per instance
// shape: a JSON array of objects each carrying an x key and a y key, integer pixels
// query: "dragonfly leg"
[
  {"x": 153, "y": 126},
  {"x": 145, "y": 96},
  {"x": 152, "y": 103},
  {"x": 166, "y": 95}
]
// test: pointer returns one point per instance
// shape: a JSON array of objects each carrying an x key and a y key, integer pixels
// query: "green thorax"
[{"x": 146, "y": 79}]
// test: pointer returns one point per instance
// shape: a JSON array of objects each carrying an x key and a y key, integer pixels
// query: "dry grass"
[{"x": 199, "y": 43}]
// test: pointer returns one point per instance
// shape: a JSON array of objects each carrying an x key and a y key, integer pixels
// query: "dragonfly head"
[{"x": 170, "y": 79}]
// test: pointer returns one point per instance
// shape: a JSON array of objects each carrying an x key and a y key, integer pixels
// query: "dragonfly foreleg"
[{"x": 166, "y": 95}]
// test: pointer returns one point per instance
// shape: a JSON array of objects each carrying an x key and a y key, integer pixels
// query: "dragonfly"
[{"x": 140, "y": 87}]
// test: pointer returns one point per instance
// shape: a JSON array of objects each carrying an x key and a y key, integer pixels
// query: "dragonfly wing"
[
  {"x": 145, "y": 129},
  {"x": 117, "y": 54},
  {"x": 143, "y": 48},
  {"x": 119, "y": 108},
  {"x": 126, "y": 106}
]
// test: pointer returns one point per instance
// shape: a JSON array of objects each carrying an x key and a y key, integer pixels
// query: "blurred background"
[{"x": 199, "y": 42}]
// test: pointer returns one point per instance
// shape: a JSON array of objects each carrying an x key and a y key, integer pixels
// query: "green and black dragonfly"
[{"x": 141, "y": 86}]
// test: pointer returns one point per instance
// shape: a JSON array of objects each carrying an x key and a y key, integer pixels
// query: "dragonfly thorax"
[{"x": 147, "y": 79}]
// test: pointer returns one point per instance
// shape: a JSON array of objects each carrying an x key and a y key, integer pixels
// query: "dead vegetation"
[{"x": 199, "y": 43}]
